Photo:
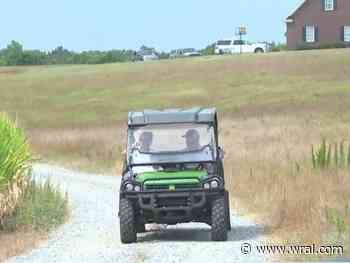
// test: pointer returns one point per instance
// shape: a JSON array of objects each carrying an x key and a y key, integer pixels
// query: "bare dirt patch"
[{"x": 9, "y": 71}]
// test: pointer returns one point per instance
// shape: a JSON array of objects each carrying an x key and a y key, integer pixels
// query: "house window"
[
  {"x": 328, "y": 5},
  {"x": 310, "y": 34},
  {"x": 346, "y": 33}
]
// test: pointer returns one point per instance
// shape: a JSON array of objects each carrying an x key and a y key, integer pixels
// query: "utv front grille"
[
  {"x": 172, "y": 187},
  {"x": 156, "y": 187},
  {"x": 172, "y": 202}
]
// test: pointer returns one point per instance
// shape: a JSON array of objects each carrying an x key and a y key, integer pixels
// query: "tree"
[
  {"x": 60, "y": 55},
  {"x": 164, "y": 55},
  {"x": 34, "y": 57},
  {"x": 209, "y": 50},
  {"x": 14, "y": 53},
  {"x": 2, "y": 62}
]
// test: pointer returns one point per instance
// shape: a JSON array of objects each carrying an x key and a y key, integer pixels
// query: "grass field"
[{"x": 272, "y": 108}]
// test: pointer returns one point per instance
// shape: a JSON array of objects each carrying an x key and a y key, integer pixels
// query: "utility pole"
[{"x": 241, "y": 31}]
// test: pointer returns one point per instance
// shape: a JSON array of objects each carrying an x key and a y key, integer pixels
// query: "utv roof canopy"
[{"x": 168, "y": 116}]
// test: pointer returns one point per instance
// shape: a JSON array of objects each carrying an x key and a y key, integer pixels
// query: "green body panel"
[
  {"x": 172, "y": 182},
  {"x": 171, "y": 178}
]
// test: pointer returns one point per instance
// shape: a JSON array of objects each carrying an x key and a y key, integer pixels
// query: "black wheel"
[
  {"x": 127, "y": 222},
  {"x": 259, "y": 50},
  {"x": 140, "y": 228},
  {"x": 219, "y": 226},
  {"x": 228, "y": 214}
]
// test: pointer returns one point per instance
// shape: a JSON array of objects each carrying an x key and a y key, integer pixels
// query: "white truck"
[{"x": 229, "y": 46}]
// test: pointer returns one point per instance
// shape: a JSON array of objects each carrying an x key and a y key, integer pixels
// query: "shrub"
[
  {"x": 323, "y": 46},
  {"x": 278, "y": 47},
  {"x": 209, "y": 50}
]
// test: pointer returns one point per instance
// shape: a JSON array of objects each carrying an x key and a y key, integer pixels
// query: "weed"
[{"x": 322, "y": 157}]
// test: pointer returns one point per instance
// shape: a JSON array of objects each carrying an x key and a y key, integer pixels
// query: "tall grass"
[
  {"x": 41, "y": 208},
  {"x": 14, "y": 152},
  {"x": 15, "y": 160},
  {"x": 25, "y": 206}
]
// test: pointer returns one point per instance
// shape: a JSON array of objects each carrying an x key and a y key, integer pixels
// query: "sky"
[{"x": 111, "y": 24}]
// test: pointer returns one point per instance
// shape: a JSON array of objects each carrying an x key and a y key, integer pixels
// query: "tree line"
[{"x": 14, "y": 54}]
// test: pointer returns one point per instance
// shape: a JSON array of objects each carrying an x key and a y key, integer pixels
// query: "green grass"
[
  {"x": 42, "y": 208},
  {"x": 330, "y": 156},
  {"x": 15, "y": 155},
  {"x": 66, "y": 96}
]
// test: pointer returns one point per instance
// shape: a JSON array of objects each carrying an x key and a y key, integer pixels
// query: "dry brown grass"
[
  {"x": 18, "y": 242},
  {"x": 9, "y": 198},
  {"x": 94, "y": 149},
  {"x": 268, "y": 169}
]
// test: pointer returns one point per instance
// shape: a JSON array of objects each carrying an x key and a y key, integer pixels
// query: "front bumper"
[{"x": 172, "y": 207}]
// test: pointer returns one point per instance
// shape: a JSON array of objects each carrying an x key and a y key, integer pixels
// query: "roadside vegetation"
[
  {"x": 274, "y": 108},
  {"x": 27, "y": 210},
  {"x": 15, "y": 160}
]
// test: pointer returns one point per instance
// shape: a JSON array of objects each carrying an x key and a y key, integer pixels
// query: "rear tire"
[
  {"x": 127, "y": 222},
  {"x": 219, "y": 226},
  {"x": 259, "y": 50}
]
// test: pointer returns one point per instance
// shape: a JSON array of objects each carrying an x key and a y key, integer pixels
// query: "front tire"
[
  {"x": 219, "y": 222},
  {"x": 140, "y": 228},
  {"x": 127, "y": 222},
  {"x": 228, "y": 213}
]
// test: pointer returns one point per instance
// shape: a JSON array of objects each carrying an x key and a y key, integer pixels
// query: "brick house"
[{"x": 319, "y": 22}]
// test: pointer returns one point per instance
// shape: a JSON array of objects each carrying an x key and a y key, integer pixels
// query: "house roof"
[{"x": 301, "y": 5}]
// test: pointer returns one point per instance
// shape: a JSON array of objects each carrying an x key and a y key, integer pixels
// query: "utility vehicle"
[{"x": 173, "y": 172}]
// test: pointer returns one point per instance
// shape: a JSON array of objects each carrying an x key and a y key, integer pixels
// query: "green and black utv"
[{"x": 173, "y": 172}]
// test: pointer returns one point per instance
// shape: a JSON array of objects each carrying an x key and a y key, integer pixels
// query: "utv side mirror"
[{"x": 221, "y": 153}]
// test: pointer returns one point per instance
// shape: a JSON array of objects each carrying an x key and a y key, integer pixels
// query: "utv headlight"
[
  {"x": 129, "y": 187},
  {"x": 214, "y": 184}
]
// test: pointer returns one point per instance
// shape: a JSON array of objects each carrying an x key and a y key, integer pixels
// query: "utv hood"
[{"x": 171, "y": 178}]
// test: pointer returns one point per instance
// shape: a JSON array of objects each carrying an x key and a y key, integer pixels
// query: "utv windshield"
[{"x": 171, "y": 143}]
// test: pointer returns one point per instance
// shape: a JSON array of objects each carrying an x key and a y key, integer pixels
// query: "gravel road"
[{"x": 92, "y": 232}]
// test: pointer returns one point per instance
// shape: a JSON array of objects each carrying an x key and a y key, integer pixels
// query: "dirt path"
[{"x": 92, "y": 233}]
